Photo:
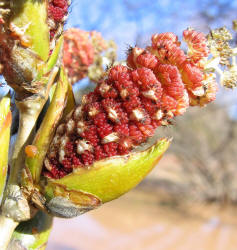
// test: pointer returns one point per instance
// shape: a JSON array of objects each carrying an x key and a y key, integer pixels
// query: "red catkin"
[{"x": 159, "y": 83}]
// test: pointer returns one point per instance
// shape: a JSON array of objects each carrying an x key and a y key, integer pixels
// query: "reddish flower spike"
[
  {"x": 197, "y": 45},
  {"x": 130, "y": 103}
]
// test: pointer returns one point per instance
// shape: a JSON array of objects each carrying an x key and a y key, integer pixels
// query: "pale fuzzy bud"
[
  {"x": 82, "y": 146},
  {"x": 137, "y": 114},
  {"x": 70, "y": 126},
  {"x": 112, "y": 114},
  {"x": 158, "y": 115},
  {"x": 150, "y": 94},
  {"x": 64, "y": 141},
  {"x": 81, "y": 127},
  {"x": 113, "y": 137},
  {"x": 104, "y": 88},
  {"x": 77, "y": 113},
  {"x": 124, "y": 93}
]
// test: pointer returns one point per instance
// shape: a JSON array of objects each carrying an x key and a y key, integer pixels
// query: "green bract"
[
  {"x": 105, "y": 180},
  {"x": 48, "y": 126},
  {"x": 5, "y": 125}
]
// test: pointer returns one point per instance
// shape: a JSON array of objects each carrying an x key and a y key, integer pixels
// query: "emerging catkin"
[{"x": 130, "y": 102}]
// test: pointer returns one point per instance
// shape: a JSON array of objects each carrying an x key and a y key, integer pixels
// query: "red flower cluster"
[
  {"x": 78, "y": 53},
  {"x": 57, "y": 11},
  {"x": 80, "y": 49},
  {"x": 128, "y": 105}
]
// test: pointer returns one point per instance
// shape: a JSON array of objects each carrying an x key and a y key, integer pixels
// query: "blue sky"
[{"x": 130, "y": 22}]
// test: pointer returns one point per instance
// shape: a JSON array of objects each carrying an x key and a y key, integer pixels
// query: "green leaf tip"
[{"x": 110, "y": 178}]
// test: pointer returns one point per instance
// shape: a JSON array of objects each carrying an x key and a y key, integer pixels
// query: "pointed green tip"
[
  {"x": 45, "y": 133},
  {"x": 107, "y": 179}
]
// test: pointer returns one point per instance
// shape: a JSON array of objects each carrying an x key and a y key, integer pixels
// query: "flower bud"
[
  {"x": 91, "y": 159},
  {"x": 85, "y": 54},
  {"x": 24, "y": 47},
  {"x": 87, "y": 188}
]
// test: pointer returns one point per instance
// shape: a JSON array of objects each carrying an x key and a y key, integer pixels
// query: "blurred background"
[{"x": 189, "y": 201}]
